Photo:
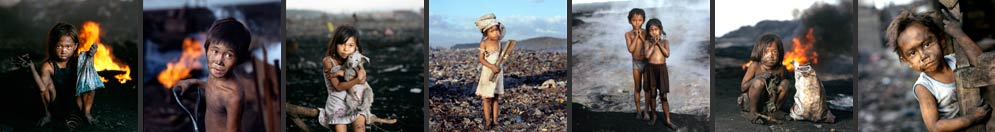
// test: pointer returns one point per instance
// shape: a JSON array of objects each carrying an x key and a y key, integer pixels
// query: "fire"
[
  {"x": 801, "y": 51},
  {"x": 180, "y": 69},
  {"x": 103, "y": 59}
]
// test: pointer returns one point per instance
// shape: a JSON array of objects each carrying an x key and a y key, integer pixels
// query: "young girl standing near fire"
[{"x": 490, "y": 91}]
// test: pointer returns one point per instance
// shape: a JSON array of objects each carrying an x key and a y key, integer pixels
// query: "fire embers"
[{"x": 809, "y": 96}]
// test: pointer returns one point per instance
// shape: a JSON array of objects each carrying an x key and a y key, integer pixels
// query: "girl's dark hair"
[
  {"x": 766, "y": 41},
  {"x": 906, "y": 19},
  {"x": 340, "y": 36},
  {"x": 636, "y": 11},
  {"x": 55, "y": 35},
  {"x": 233, "y": 34},
  {"x": 658, "y": 24}
]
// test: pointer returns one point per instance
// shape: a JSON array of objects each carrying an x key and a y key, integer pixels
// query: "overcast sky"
[{"x": 451, "y": 21}]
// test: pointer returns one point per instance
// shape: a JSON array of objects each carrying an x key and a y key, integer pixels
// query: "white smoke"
[{"x": 603, "y": 64}]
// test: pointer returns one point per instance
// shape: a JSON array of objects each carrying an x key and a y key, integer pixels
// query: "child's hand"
[
  {"x": 494, "y": 69},
  {"x": 25, "y": 60},
  {"x": 183, "y": 85},
  {"x": 765, "y": 75},
  {"x": 981, "y": 112},
  {"x": 361, "y": 74},
  {"x": 953, "y": 28}
]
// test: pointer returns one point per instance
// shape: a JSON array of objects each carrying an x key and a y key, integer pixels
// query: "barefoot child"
[
  {"x": 59, "y": 68},
  {"x": 764, "y": 86},
  {"x": 349, "y": 95},
  {"x": 919, "y": 41},
  {"x": 490, "y": 91},
  {"x": 659, "y": 80},
  {"x": 634, "y": 42},
  {"x": 227, "y": 45}
]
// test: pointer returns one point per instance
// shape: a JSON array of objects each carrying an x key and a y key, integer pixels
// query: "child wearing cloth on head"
[{"x": 490, "y": 49}]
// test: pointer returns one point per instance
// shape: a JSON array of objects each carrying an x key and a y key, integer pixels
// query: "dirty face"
[
  {"x": 655, "y": 32},
  {"x": 770, "y": 56},
  {"x": 221, "y": 59},
  {"x": 65, "y": 48},
  {"x": 920, "y": 48},
  {"x": 636, "y": 21}
]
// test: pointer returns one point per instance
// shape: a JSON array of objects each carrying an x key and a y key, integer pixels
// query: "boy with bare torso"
[{"x": 227, "y": 45}]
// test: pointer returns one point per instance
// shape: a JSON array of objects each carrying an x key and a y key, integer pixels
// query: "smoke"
[
  {"x": 834, "y": 27},
  {"x": 603, "y": 66}
]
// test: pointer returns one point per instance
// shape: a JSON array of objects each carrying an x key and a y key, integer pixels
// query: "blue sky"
[{"x": 451, "y": 21}]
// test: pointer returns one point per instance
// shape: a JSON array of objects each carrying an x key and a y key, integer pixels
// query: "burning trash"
[
  {"x": 180, "y": 69},
  {"x": 809, "y": 96},
  {"x": 801, "y": 51},
  {"x": 103, "y": 59}
]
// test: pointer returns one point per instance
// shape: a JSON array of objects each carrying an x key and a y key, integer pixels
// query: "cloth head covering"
[{"x": 486, "y": 22}]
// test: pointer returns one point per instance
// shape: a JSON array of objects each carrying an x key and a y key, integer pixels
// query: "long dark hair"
[
  {"x": 766, "y": 41},
  {"x": 658, "y": 24},
  {"x": 55, "y": 35},
  {"x": 340, "y": 36}
]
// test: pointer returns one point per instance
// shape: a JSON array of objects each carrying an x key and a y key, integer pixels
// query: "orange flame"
[
  {"x": 180, "y": 69},
  {"x": 801, "y": 51},
  {"x": 103, "y": 59}
]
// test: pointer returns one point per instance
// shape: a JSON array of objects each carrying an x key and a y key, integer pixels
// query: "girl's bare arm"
[
  {"x": 649, "y": 52},
  {"x": 666, "y": 48},
  {"x": 483, "y": 60},
  {"x": 930, "y": 116},
  {"x": 38, "y": 79},
  {"x": 330, "y": 76},
  {"x": 750, "y": 71}
]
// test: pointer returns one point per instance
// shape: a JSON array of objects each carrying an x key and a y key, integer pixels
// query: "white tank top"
[{"x": 945, "y": 93}]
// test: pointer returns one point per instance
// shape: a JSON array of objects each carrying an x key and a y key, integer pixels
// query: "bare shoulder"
[
  {"x": 329, "y": 62},
  {"x": 47, "y": 68}
]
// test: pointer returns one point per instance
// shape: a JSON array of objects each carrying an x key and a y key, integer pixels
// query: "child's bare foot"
[
  {"x": 671, "y": 125},
  {"x": 44, "y": 120},
  {"x": 652, "y": 121},
  {"x": 90, "y": 119},
  {"x": 646, "y": 115}
]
